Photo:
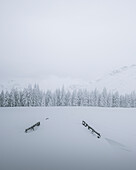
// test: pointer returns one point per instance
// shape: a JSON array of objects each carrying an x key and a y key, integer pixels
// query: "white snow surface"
[{"x": 63, "y": 143}]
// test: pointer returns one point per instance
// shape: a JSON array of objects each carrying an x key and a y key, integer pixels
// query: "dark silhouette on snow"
[
  {"x": 90, "y": 128},
  {"x": 32, "y": 127}
]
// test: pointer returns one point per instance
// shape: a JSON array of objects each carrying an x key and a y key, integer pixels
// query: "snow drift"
[{"x": 61, "y": 142}]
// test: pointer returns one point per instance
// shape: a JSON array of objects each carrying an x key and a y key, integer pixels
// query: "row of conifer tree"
[{"x": 33, "y": 96}]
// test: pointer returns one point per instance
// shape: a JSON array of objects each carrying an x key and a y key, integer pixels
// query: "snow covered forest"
[{"x": 33, "y": 96}]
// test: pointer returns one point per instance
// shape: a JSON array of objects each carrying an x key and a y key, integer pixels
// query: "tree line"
[{"x": 33, "y": 96}]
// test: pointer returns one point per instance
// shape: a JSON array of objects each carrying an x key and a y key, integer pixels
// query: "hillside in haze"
[{"x": 122, "y": 80}]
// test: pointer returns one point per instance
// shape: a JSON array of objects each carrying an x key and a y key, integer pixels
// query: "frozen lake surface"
[{"x": 63, "y": 143}]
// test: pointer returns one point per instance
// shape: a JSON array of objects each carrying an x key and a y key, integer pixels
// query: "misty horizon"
[{"x": 75, "y": 39}]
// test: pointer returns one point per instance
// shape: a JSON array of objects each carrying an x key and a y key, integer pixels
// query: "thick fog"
[{"x": 73, "y": 38}]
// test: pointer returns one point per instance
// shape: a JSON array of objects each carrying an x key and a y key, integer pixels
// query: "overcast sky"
[{"x": 68, "y": 38}]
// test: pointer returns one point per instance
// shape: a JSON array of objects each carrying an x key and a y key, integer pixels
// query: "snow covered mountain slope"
[
  {"x": 61, "y": 142},
  {"x": 122, "y": 80},
  {"x": 45, "y": 83}
]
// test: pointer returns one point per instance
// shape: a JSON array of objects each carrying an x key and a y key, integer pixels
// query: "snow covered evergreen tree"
[
  {"x": 57, "y": 97},
  {"x": 133, "y": 99},
  {"x": 74, "y": 98},
  {"x": 12, "y": 98},
  {"x": 67, "y": 99},
  {"x": 6, "y": 99},
  {"x": 29, "y": 96},
  {"x": 43, "y": 99},
  {"x": 62, "y": 97},
  {"x": 91, "y": 99},
  {"x": 33, "y": 96},
  {"x": 79, "y": 98},
  {"x": 96, "y": 97},
  {"x": 24, "y": 97},
  {"x": 109, "y": 99},
  {"x": 122, "y": 101},
  {"x": 85, "y": 98},
  {"x": 48, "y": 98},
  {"x": 116, "y": 100},
  {"x": 127, "y": 101},
  {"x": 2, "y": 99}
]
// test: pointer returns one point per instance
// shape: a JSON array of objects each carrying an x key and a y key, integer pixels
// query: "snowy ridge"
[
  {"x": 122, "y": 80},
  {"x": 45, "y": 83}
]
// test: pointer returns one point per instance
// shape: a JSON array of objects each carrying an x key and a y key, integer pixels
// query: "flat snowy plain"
[{"x": 63, "y": 143}]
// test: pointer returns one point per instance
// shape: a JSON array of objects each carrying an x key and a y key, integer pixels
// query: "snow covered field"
[{"x": 63, "y": 143}]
